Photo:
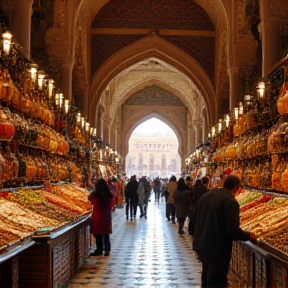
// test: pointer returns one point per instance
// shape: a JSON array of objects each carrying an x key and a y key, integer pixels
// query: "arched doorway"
[{"x": 153, "y": 151}]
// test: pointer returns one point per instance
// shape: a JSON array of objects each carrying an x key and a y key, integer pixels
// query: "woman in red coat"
[{"x": 102, "y": 200}]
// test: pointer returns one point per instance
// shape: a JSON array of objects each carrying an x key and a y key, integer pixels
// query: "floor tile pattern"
[{"x": 144, "y": 253}]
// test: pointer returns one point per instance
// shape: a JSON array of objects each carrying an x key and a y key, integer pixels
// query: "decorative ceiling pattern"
[
  {"x": 168, "y": 14},
  {"x": 154, "y": 96},
  {"x": 181, "y": 15}
]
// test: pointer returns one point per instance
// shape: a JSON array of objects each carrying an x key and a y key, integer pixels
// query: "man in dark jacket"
[
  {"x": 215, "y": 224},
  {"x": 131, "y": 197}
]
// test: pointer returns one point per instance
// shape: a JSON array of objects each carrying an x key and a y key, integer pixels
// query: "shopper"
[
  {"x": 143, "y": 191},
  {"x": 215, "y": 225},
  {"x": 182, "y": 203},
  {"x": 131, "y": 197},
  {"x": 101, "y": 224},
  {"x": 196, "y": 192},
  {"x": 157, "y": 188},
  {"x": 169, "y": 191}
]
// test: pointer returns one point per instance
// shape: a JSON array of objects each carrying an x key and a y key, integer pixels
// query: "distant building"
[{"x": 153, "y": 155}]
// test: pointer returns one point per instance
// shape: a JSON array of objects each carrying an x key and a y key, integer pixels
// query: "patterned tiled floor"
[{"x": 144, "y": 253}]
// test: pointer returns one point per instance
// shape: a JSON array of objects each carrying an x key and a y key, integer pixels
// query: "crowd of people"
[{"x": 213, "y": 214}]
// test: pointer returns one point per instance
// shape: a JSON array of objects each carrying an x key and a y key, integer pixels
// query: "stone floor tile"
[{"x": 145, "y": 253}]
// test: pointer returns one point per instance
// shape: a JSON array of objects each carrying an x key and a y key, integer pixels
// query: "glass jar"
[
  {"x": 266, "y": 176},
  {"x": 21, "y": 127},
  {"x": 12, "y": 165},
  {"x": 6, "y": 125},
  {"x": 31, "y": 168}
]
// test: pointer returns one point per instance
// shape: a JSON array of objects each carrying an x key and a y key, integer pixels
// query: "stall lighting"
[
  {"x": 241, "y": 110},
  {"x": 87, "y": 126},
  {"x": 41, "y": 76},
  {"x": 220, "y": 126},
  {"x": 59, "y": 99},
  {"x": 7, "y": 38},
  {"x": 33, "y": 70},
  {"x": 227, "y": 120},
  {"x": 94, "y": 132},
  {"x": 213, "y": 131},
  {"x": 236, "y": 113},
  {"x": 78, "y": 117},
  {"x": 261, "y": 89},
  {"x": 50, "y": 88},
  {"x": 66, "y": 106},
  {"x": 82, "y": 122}
]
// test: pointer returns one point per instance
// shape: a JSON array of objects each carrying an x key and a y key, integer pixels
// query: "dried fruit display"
[
  {"x": 28, "y": 211},
  {"x": 268, "y": 219}
]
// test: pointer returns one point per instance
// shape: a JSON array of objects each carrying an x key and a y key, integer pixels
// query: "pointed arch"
[
  {"x": 152, "y": 46},
  {"x": 143, "y": 118}
]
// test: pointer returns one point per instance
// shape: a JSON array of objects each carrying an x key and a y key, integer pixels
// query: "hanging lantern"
[
  {"x": 236, "y": 113},
  {"x": 50, "y": 88},
  {"x": 66, "y": 106},
  {"x": 41, "y": 76},
  {"x": 261, "y": 88},
  {"x": 219, "y": 126},
  {"x": 227, "y": 120},
  {"x": 33, "y": 71},
  {"x": 7, "y": 38},
  {"x": 241, "y": 109}
]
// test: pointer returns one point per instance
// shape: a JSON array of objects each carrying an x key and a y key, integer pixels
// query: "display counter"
[
  {"x": 260, "y": 265},
  {"x": 54, "y": 258},
  {"x": 266, "y": 263},
  {"x": 44, "y": 235}
]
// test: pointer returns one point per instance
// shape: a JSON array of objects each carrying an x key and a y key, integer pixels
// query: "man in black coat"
[
  {"x": 131, "y": 197},
  {"x": 215, "y": 224}
]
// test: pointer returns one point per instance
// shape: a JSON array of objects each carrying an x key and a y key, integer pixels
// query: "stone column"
[
  {"x": 223, "y": 106},
  {"x": 66, "y": 82},
  {"x": 198, "y": 124},
  {"x": 106, "y": 128},
  {"x": 235, "y": 87},
  {"x": 271, "y": 45},
  {"x": 21, "y": 12}
]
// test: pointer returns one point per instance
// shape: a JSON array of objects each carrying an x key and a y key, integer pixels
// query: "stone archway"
[{"x": 152, "y": 46}]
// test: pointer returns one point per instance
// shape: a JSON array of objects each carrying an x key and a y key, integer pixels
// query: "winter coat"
[
  {"x": 171, "y": 188},
  {"x": 216, "y": 223},
  {"x": 142, "y": 193},
  {"x": 101, "y": 222},
  {"x": 131, "y": 189},
  {"x": 182, "y": 203}
]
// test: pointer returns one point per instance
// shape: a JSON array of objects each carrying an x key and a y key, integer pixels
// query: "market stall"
[{"x": 251, "y": 142}]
